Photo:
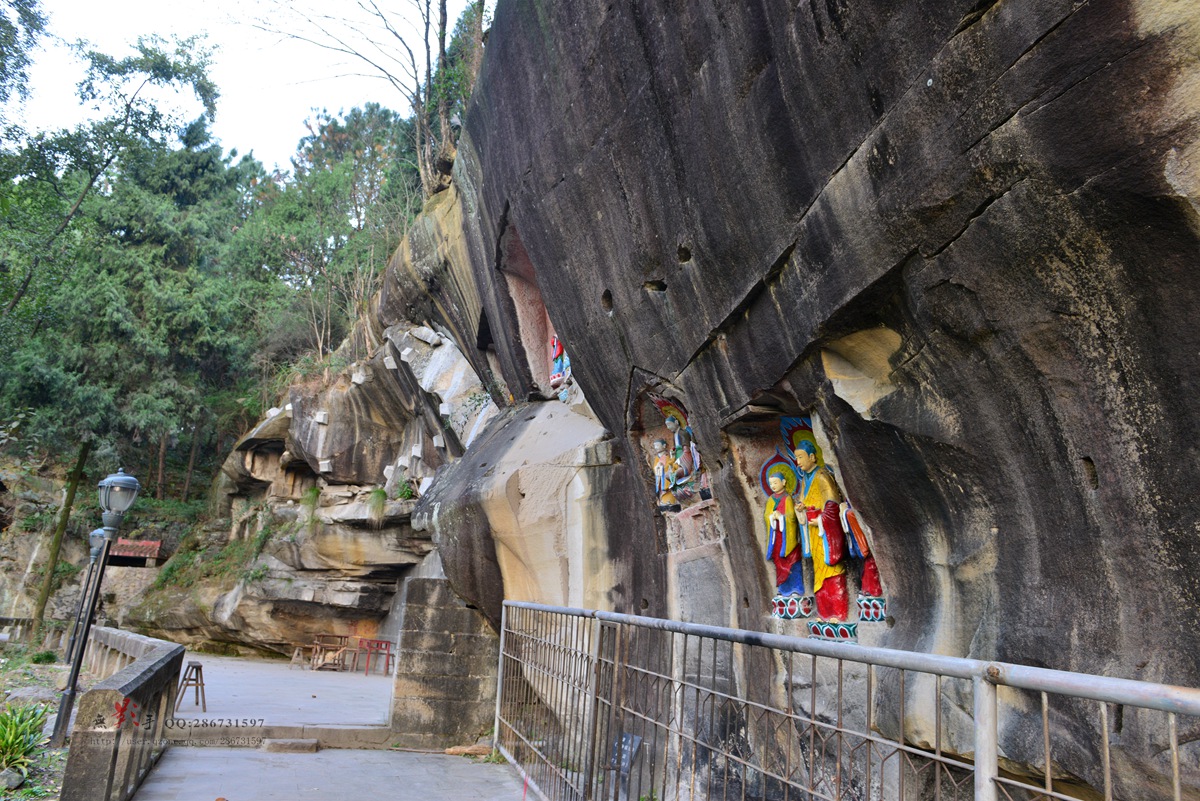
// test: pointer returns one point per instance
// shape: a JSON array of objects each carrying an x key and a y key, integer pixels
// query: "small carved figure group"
[{"x": 679, "y": 476}]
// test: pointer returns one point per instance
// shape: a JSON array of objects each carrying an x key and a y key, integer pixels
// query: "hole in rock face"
[
  {"x": 685, "y": 255},
  {"x": 645, "y": 604},
  {"x": 606, "y": 301},
  {"x": 1089, "y": 472},
  {"x": 655, "y": 286},
  {"x": 745, "y": 602}
]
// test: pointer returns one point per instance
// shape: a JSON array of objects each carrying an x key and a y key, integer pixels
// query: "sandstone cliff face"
[{"x": 959, "y": 235}]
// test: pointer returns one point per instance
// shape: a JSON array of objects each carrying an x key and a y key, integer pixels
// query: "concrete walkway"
[
  {"x": 270, "y": 690},
  {"x": 241, "y": 774}
]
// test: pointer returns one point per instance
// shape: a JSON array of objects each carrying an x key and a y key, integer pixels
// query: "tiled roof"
[{"x": 138, "y": 548}]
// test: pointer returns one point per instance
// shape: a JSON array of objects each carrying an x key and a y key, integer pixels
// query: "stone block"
[
  {"x": 429, "y": 592},
  {"x": 291, "y": 746},
  {"x": 325, "y": 465},
  {"x": 321, "y": 417},
  {"x": 446, "y": 409},
  {"x": 426, "y": 335},
  {"x": 433, "y": 664},
  {"x": 450, "y": 619},
  {"x": 407, "y": 355},
  {"x": 459, "y": 688},
  {"x": 440, "y": 723},
  {"x": 389, "y": 362}
]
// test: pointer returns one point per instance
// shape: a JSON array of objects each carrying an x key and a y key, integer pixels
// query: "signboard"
[{"x": 624, "y": 749}]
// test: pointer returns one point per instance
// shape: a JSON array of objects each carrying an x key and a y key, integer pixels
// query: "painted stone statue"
[
  {"x": 682, "y": 473},
  {"x": 872, "y": 605},
  {"x": 785, "y": 545},
  {"x": 838, "y": 539},
  {"x": 560, "y": 367},
  {"x": 820, "y": 498},
  {"x": 667, "y": 471}
]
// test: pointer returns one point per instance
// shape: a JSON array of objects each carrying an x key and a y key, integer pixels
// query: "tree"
[
  {"x": 53, "y": 174},
  {"x": 396, "y": 48},
  {"x": 21, "y": 24},
  {"x": 330, "y": 229}
]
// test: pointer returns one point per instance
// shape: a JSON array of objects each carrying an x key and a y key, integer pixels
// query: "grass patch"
[
  {"x": 20, "y": 736},
  {"x": 376, "y": 506},
  {"x": 191, "y": 564}
]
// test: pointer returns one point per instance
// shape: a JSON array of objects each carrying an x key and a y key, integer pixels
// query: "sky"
[{"x": 269, "y": 84}]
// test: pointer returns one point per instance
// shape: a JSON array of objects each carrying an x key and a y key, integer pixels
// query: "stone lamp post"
[{"x": 117, "y": 493}]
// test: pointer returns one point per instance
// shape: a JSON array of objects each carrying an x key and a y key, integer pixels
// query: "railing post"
[
  {"x": 500, "y": 678},
  {"x": 986, "y": 739},
  {"x": 589, "y": 770}
]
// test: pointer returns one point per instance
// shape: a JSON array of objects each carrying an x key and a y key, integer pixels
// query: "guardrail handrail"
[
  {"x": 569, "y": 692},
  {"x": 1163, "y": 697},
  {"x": 119, "y": 731}
]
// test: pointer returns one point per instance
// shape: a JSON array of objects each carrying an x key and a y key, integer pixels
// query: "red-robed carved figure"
[{"x": 820, "y": 497}]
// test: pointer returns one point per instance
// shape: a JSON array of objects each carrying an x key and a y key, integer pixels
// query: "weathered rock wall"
[
  {"x": 959, "y": 236},
  {"x": 984, "y": 214}
]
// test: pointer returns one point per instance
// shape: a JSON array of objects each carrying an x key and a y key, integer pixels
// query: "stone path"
[
  {"x": 244, "y": 774},
  {"x": 270, "y": 690},
  {"x": 321, "y": 702}
]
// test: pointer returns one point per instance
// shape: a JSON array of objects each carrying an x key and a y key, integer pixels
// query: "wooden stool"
[
  {"x": 300, "y": 657},
  {"x": 193, "y": 676}
]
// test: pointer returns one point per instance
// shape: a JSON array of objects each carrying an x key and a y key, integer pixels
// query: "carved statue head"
[
  {"x": 806, "y": 456},
  {"x": 672, "y": 423},
  {"x": 660, "y": 446}
]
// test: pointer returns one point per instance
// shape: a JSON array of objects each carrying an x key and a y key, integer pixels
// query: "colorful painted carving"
[
  {"x": 784, "y": 544},
  {"x": 688, "y": 480},
  {"x": 820, "y": 498},
  {"x": 792, "y": 607},
  {"x": 829, "y": 630},
  {"x": 666, "y": 477},
  {"x": 827, "y": 531},
  {"x": 872, "y": 606},
  {"x": 560, "y": 364}
]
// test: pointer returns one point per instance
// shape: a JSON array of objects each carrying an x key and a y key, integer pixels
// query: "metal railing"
[
  {"x": 597, "y": 705},
  {"x": 120, "y": 723}
]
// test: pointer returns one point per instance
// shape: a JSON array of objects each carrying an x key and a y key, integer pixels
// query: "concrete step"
[
  {"x": 291, "y": 746},
  {"x": 327, "y": 736}
]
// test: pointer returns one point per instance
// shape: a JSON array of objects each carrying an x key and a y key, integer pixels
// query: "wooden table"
[
  {"x": 379, "y": 649},
  {"x": 329, "y": 651}
]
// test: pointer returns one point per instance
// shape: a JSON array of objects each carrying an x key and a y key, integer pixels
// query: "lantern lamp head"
[{"x": 118, "y": 492}]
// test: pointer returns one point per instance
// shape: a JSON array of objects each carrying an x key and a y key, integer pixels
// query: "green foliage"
[
  {"x": 192, "y": 564},
  {"x": 261, "y": 539},
  {"x": 405, "y": 491},
  {"x": 40, "y": 520},
  {"x": 63, "y": 572},
  {"x": 167, "y": 510},
  {"x": 11, "y": 439},
  {"x": 44, "y": 658},
  {"x": 309, "y": 498},
  {"x": 21, "y": 23},
  {"x": 376, "y": 506},
  {"x": 177, "y": 572},
  {"x": 20, "y": 734},
  {"x": 255, "y": 574}
]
